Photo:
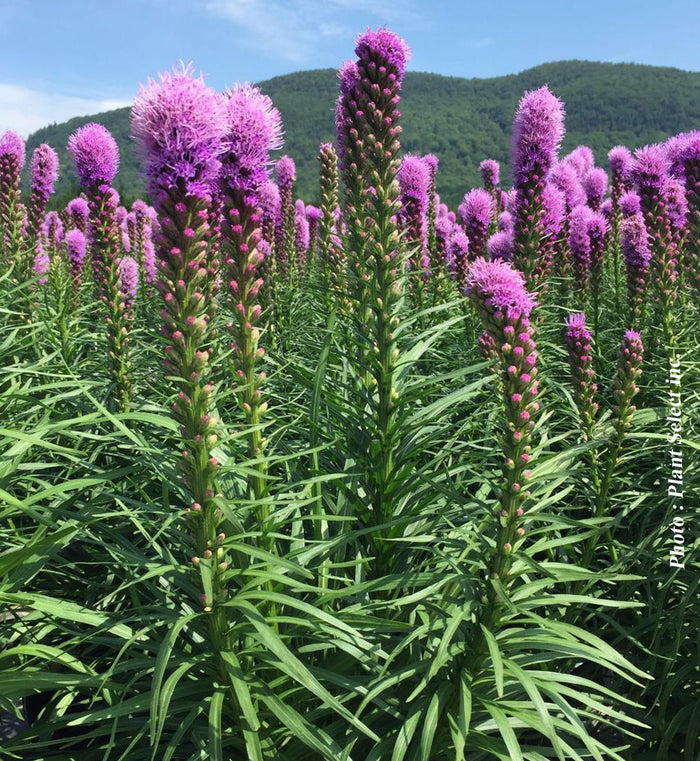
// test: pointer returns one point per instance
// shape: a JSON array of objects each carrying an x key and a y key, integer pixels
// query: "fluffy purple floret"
[
  {"x": 79, "y": 211},
  {"x": 606, "y": 208},
  {"x": 456, "y": 251},
  {"x": 650, "y": 167},
  {"x": 129, "y": 273},
  {"x": 384, "y": 47},
  {"x": 581, "y": 159},
  {"x": 554, "y": 204},
  {"x": 682, "y": 148},
  {"x": 302, "y": 235},
  {"x": 11, "y": 144},
  {"x": 52, "y": 231},
  {"x": 44, "y": 171},
  {"x": 349, "y": 76},
  {"x": 620, "y": 160},
  {"x": 630, "y": 203},
  {"x": 597, "y": 226},
  {"x": 595, "y": 183},
  {"x": 286, "y": 171},
  {"x": 76, "y": 245},
  {"x": 634, "y": 241},
  {"x": 476, "y": 209},
  {"x": 313, "y": 213},
  {"x": 500, "y": 246},
  {"x": 565, "y": 177},
  {"x": 268, "y": 196},
  {"x": 95, "y": 154},
  {"x": 677, "y": 203},
  {"x": 497, "y": 286},
  {"x": 579, "y": 224},
  {"x": 414, "y": 180},
  {"x": 179, "y": 125},
  {"x": 490, "y": 171},
  {"x": 254, "y": 128},
  {"x": 432, "y": 162},
  {"x": 505, "y": 222},
  {"x": 538, "y": 130}
]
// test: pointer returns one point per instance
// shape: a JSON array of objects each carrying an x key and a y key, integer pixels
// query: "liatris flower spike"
[
  {"x": 578, "y": 342},
  {"x": 12, "y": 151},
  {"x": 499, "y": 295},
  {"x": 634, "y": 245},
  {"x": 538, "y": 130},
  {"x": 44, "y": 173},
  {"x": 595, "y": 183},
  {"x": 476, "y": 213},
  {"x": 490, "y": 171},
  {"x": 76, "y": 245},
  {"x": 414, "y": 181}
]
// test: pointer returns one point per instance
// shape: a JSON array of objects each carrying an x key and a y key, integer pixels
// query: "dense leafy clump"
[{"x": 377, "y": 479}]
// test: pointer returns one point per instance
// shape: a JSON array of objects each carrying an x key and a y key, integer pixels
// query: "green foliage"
[{"x": 460, "y": 120}]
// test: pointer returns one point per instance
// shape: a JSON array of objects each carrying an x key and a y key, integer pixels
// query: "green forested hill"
[{"x": 461, "y": 120}]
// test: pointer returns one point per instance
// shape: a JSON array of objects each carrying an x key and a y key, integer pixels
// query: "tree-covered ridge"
[{"x": 461, "y": 120}]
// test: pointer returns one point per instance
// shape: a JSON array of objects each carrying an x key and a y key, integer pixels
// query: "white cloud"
[
  {"x": 292, "y": 29},
  {"x": 25, "y": 110}
]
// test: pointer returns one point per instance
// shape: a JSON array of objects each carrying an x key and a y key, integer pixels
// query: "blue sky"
[{"x": 63, "y": 58}]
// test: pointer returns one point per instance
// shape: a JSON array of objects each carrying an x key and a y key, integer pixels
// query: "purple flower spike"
[
  {"x": 620, "y": 160},
  {"x": 457, "y": 256},
  {"x": 505, "y": 222},
  {"x": 414, "y": 181},
  {"x": 13, "y": 146},
  {"x": 76, "y": 245},
  {"x": 581, "y": 159},
  {"x": 580, "y": 245},
  {"x": 129, "y": 273},
  {"x": 634, "y": 246},
  {"x": 630, "y": 203},
  {"x": 78, "y": 214},
  {"x": 629, "y": 369},
  {"x": 476, "y": 213},
  {"x": 490, "y": 171},
  {"x": 564, "y": 177},
  {"x": 41, "y": 266},
  {"x": 384, "y": 48},
  {"x": 650, "y": 167},
  {"x": 538, "y": 130},
  {"x": 95, "y": 154},
  {"x": 286, "y": 171},
  {"x": 578, "y": 341},
  {"x": 179, "y": 125},
  {"x": 595, "y": 183},
  {"x": 500, "y": 246},
  {"x": 254, "y": 129},
  {"x": 494, "y": 287},
  {"x": 44, "y": 174}
]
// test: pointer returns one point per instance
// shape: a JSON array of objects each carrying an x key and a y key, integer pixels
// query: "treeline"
[{"x": 460, "y": 120}]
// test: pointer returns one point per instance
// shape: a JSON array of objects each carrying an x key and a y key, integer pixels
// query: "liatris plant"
[
  {"x": 96, "y": 157},
  {"x": 595, "y": 183},
  {"x": 285, "y": 228},
  {"x": 597, "y": 233},
  {"x": 77, "y": 215},
  {"x": 129, "y": 274},
  {"x": 686, "y": 164},
  {"x": 44, "y": 173},
  {"x": 630, "y": 204},
  {"x": 620, "y": 160},
  {"x": 634, "y": 245},
  {"x": 313, "y": 218},
  {"x": 649, "y": 173},
  {"x": 432, "y": 162},
  {"x": 629, "y": 369},
  {"x": 538, "y": 130},
  {"x": 302, "y": 236},
  {"x": 499, "y": 295},
  {"x": 500, "y": 246},
  {"x": 175, "y": 119},
  {"x": 253, "y": 129},
  {"x": 581, "y": 159},
  {"x": 367, "y": 118},
  {"x": 554, "y": 246},
  {"x": 458, "y": 257},
  {"x": 578, "y": 342},
  {"x": 490, "y": 171},
  {"x": 12, "y": 152},
  {"x": 142, "y": 220},
  {"x": 476, "y": 213}
]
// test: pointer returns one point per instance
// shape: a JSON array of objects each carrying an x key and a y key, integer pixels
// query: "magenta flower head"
[
  {"x": 538, "y": 130},
  {"x": 457, "y": 256},
  {"x": 650, "y": 167},
  {"x": 505, "y": 222},
  {"x": 414, "y": 180},
  {"x": 12, "y": 147},
  {"x": 76, "y": 245},
  {"x": 95, "y": 154},
  {"x": 286, "y": 171},
  {"x": 41, "y": 266},
  {"x": 620, "y": 160},
  {"x": 564, "y": 177},
  {"x": 432, "y": 163},
  {"x": 676, "y": 204},
  {"x": 254, "y": 129},
  {"x": 78, "y": 214},
  {"x": 313, "y": 213},
  {"x": 44, "y": 171},
  {"x": 490, "y": 171},
  {"x": 630, "y": 203},
  {"x": 606, "y": 209},
  {"x": 581, "y": 159},
  {"x": 500, "y": 246},
  {"x": 383, "y": 48},
  {"x": 629, "y": 368},
  {"x": 680, "y": 149},
  {"x": 475, "y": 215},
  {"x": 579, "y": 241},
  {"x": 554, "y": 203},
  {"x": 52, "y": 233},
  {"x": 179, "y": 125},
  {"x": 634, "y": 242},
  {"x": 595, "y": 183},
  {"x": 129, "y": 272},
  {"x": 495, "y": 287}
]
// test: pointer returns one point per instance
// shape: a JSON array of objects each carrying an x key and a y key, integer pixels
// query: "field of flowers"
[{"x": 369, "y": 479}]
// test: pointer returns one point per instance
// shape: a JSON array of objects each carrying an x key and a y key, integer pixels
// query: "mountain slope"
[{"x": 461, "y": 120}]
